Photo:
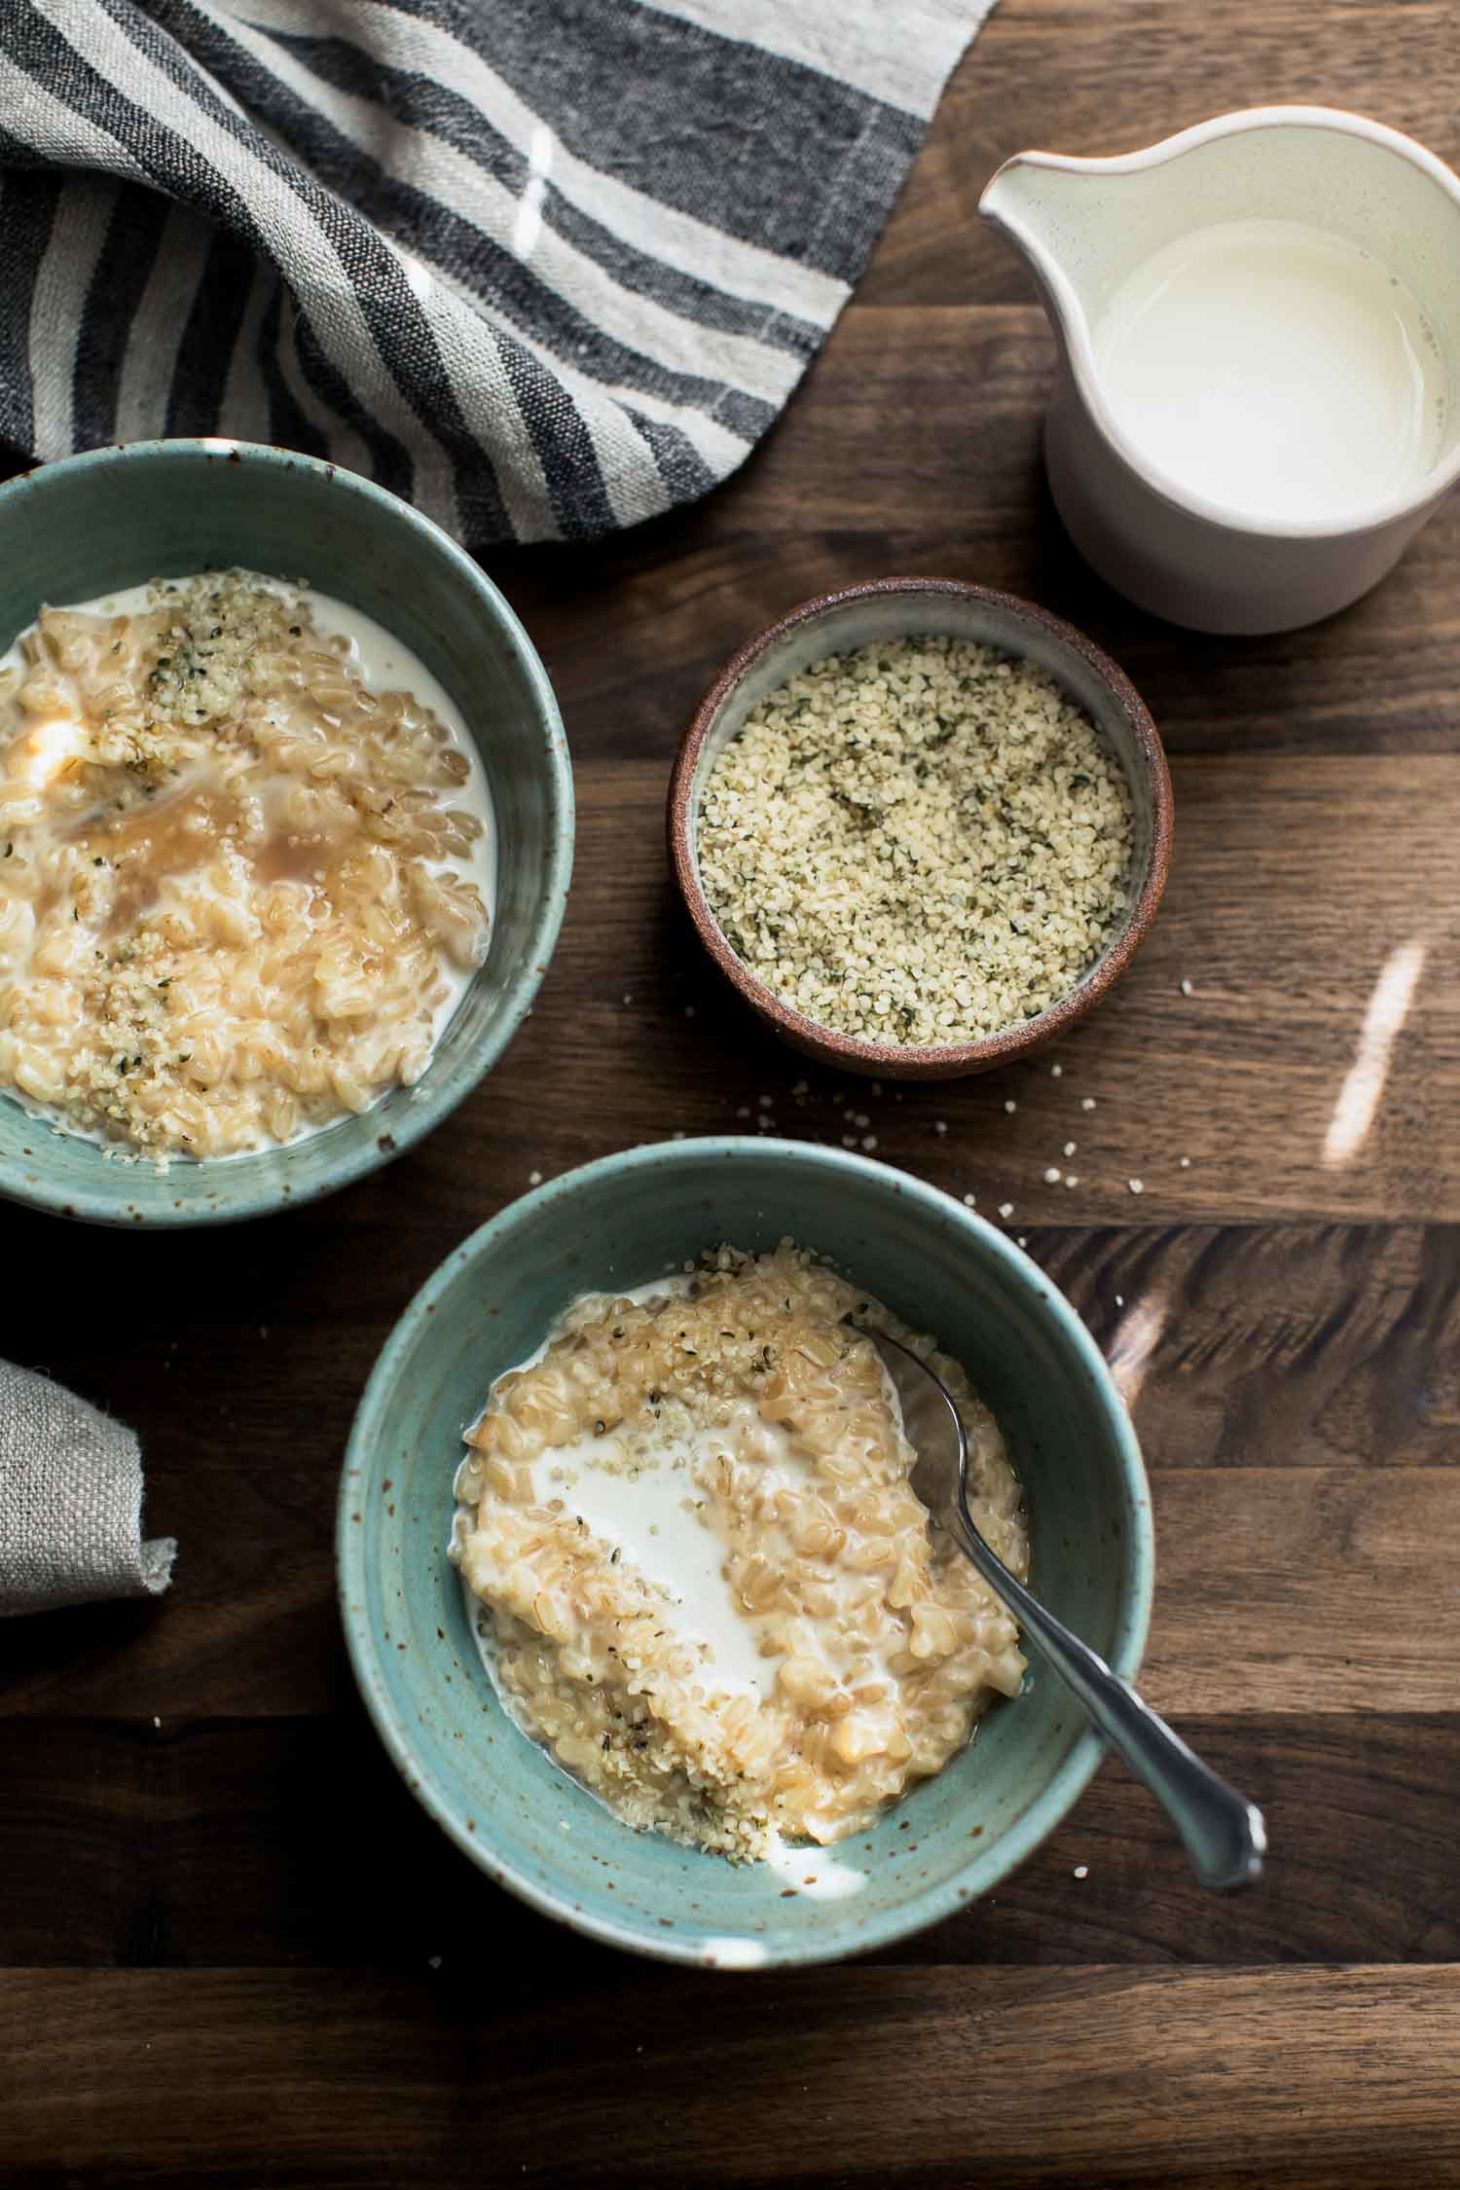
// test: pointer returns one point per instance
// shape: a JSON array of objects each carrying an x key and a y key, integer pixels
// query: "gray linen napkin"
[{"x": 70, "y": 1502}]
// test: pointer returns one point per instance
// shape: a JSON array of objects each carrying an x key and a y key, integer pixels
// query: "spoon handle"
[{"x": 1223, "y": 1833}]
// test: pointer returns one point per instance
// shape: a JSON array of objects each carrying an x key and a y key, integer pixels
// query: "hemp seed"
[{"x": 920, "y": 842}]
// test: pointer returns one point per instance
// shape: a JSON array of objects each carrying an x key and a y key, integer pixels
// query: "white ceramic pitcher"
[{"x": 1083, "y": 225}]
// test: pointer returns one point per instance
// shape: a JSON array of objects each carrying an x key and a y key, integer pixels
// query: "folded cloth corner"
[{"x": 70, "y": 1502}]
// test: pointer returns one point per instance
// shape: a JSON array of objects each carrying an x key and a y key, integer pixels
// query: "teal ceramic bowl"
[
  {"x": 116, "y": 517},
  {"x": 502, "y": 1799}
]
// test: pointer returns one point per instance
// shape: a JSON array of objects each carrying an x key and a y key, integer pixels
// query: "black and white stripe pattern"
[{"x": 547, "y": 267}]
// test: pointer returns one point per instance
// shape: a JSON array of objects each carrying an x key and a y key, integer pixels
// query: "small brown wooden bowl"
[{"x": 886, "y": 608}]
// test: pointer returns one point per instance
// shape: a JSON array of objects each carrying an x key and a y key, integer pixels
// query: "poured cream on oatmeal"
[
  {"x": 651, "y": 1514},
  {"x": 247, "y": 864},
  {"x": 708, "y": 1585}
]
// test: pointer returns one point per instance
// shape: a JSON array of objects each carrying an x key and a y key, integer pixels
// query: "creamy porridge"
[
  {"x": 246, "y": 861},
  {"x": 708, "y": 1586}
]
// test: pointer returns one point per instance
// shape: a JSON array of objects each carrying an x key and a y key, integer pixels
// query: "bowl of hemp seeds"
[{"x": 921, "y": 826}]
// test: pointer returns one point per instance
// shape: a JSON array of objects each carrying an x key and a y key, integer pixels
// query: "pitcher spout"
[
  {"x": 1034, "y": 197},
  {"x": 1057, "y": 214}
]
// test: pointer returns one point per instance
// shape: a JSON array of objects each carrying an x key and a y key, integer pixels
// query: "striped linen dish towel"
[{"x": 545, "y": 267}]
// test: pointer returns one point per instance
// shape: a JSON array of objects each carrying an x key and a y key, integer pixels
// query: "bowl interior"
[
  {"x": 519, "y": 1814},
  {"x": 929, "y": 609},
  {"x": 73, "y": 530}
]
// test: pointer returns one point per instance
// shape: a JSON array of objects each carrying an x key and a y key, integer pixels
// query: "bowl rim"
[
  {"x": 995, "y": 1859},
  {"x": 933, "y": 1060},
  {"x": 435, "y": 1102}
]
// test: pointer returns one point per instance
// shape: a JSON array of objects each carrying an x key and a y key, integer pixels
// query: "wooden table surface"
[{"x": 233, "y": 1950}]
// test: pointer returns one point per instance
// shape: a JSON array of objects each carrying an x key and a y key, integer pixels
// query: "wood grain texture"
[
  {"x": 1276, "y": 1345},
  {"x": 1294, "y": 1388},
  {"x": 192, "y": 1845},
  {"x": 1278, "y": 1594},
  {"x": 1294, "y": 2078},
  {"x": 232, "y": 1949},
  {"x": 1243, "y": 1077}
]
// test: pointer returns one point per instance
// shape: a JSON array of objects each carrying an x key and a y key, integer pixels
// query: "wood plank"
[
  {"x": 831, "y": 2078},
  {"x": 214, "y": 1845},
  {"x": 942, "y": 405},
  {"x": 1295, "y": 1389},
  {"x": 1244, "y": 1077},
  {"x": 1276, "y": 1345},
  {"x": 1281, "y": 1590},
  {"x": 1312, "y": 1590}
]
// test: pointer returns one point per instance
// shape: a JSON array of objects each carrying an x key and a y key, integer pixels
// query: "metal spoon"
[{"x": 1223, "y": 1833}]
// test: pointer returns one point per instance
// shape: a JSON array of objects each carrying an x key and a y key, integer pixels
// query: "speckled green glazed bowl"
[
  {"x": 118, "y": 516},
  {"x": 501, "y": 1798}
]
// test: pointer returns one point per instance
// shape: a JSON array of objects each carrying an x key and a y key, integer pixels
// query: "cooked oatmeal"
[
  {"x": 709, "y": 1588},
  {"x": 241, "y": 887},
  {"x": 922, "y": 842}
]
